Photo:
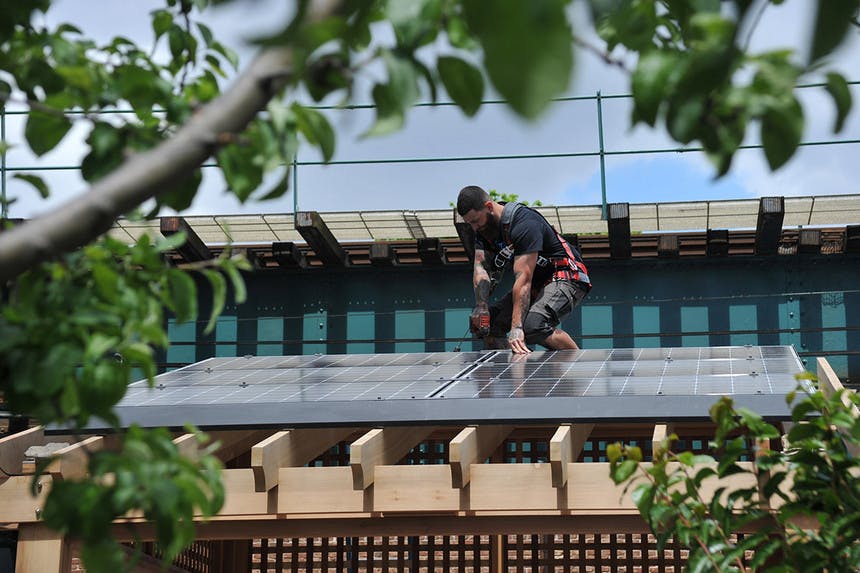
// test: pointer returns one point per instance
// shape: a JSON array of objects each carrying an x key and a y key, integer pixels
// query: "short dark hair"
[{"x": 471, "y": 197}]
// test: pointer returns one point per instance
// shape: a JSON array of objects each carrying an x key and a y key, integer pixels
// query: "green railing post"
[
  {"x": 602, "y": 156},
  {"x": 295, "y": 190},
  {"x": 3, "y": 208}
]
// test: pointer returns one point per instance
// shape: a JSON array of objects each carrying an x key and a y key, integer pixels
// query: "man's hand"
[
  {"x": 517, "y": 340},
  {"x": 479, "y": 321}
]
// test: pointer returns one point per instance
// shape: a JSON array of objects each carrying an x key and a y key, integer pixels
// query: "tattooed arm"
[{"x": 524, "y": 267}]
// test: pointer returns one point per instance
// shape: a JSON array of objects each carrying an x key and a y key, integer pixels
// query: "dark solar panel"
[{"x": 639, "y": 384}]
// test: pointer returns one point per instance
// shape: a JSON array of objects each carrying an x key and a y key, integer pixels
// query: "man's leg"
[{"x": 559, "y": 340}]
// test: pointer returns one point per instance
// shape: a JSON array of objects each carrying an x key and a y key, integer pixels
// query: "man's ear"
[{"x": 488, "y": 205}]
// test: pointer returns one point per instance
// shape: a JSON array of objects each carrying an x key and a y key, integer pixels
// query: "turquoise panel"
[
  {"x": 456, "y": 327},
  {"x": 226, "y": 330},
  {"x": 789, "y": 322},
  {"x": 185, "y": 332},
  {"x": 271, "y": 329},
  {"x": 743, "y": 317},
  {"x": 694, "y": 319},
  {"x": 409, "y": 324},
  {"x": 360, "y": 326},
  {"x": 833, "y": 316},
  {"x": 596, "y": 320},
  {"x": 646, "y": 319},
  {"x": 314, "y": 327}
]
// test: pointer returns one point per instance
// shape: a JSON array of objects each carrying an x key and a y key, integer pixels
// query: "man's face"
[{"x": 482, "y": 221}]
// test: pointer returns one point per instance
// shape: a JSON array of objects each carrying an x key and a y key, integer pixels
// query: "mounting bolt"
[
  {"x": 38, "y": 513},
  {"x": 39, "y": 487}
]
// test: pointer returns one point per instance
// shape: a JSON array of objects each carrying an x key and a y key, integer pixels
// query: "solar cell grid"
[{"x": 626, "y": 384}]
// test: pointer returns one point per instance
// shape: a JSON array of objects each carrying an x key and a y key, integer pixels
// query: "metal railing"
[{"x": 599, "y": 152}]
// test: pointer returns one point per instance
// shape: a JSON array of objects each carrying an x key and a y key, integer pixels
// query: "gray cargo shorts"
[{"x": 553, "y": 303}]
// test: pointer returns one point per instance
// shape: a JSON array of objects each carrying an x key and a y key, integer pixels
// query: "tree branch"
[{"x": 147, "y": 174}]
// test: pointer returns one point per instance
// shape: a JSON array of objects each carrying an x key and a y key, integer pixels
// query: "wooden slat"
[
  {"x": 661, "y": 432},
  {"x": 313, "y": 229},
  {"x": 12, "y": 448},
  {"x": 415, "y": 488},
  {"x": 41, "y": 549},
  {"x": 17, "y": 505},
  {"x": 473, "y": 445},
  {"x": 321, "y": 490},
  {"x": 830, "y": 384},
  {"x": 291, "y": 449},
  {"x": 233, "y": 443},
  {"x": 382, "y": 447},
  {"x": 194, "y": 249},
  {"x": 240, "y": 497},
  {"x": 72, "y": 461},
  {"x": 564, "y": 448}
]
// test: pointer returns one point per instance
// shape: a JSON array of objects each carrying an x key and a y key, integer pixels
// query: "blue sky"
[{"x": 569, "y": 127}]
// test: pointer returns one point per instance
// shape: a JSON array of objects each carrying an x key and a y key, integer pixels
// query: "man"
[{"x": 550, "y": 278}]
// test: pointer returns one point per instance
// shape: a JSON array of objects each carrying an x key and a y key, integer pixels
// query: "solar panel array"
[{"x": 425, "y": 388}]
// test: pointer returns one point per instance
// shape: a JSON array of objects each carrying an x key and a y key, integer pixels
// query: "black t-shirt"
[{"x": 530, "y": 233}]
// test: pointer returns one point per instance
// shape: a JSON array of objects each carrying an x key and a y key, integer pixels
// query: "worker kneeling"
[{"x": 550, "y": 278}]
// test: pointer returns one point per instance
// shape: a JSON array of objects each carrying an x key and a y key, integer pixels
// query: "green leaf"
[
  {"x": 838, "y": 88},
  {"x": 36, "y": 182},
  {"x": 683, "y": 118},
  {"x": 44, "y": 131},
  {"x": 183, "y": 293},
  {"x": 219, "y": 297},
  {"x": 832, "y": 22},
  {"x": 161, "y": 22},
  {"x": 171, "y": 242},
  {"x": 781, "y": 130},
  {"x": 651, "y": 84},
  {"x": 535, "y": 67},
  {"x": 463, "y": 82},
  {"x": 389, "y": 114},
  {"x": 180, "y": 196},
  {"x": 625, "y": 470},
  {"x": 316, "y": 129},
  {"x": 240, "y": 292}
]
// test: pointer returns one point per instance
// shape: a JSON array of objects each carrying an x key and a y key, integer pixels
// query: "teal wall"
[{"x": 811, "y": 302}]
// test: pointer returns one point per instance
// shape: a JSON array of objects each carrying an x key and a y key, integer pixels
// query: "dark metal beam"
[
  {"x": 194, "y": 249},
  {"x": 852, "y": 239},
  {"x": 430, "y": 251},
  {"x": 809, "y": 242},
  {"x": 771, "y": 212},
  {"x": 381, "y": 254},
  {"x": 668, "y": 246},
  {"x": 619, "y": 231},
  {"x": 718, "y": 242},
  {"x": 313, "y": 229},
  {"x": 288, "y": 255}
]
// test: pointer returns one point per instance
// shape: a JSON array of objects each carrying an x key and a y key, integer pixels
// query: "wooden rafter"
[
  {"x": 564, "y": 448},
  {"x": 473, "y": 445},
  {"x": 382, "y": 446}
]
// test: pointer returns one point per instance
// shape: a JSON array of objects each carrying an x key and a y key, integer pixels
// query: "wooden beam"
[
  {"x": 661, "y": 432},
  {"x": 73, "y": 461},
  {"x": 852, "y": 239},
  {"x": 830, "y": 384},
  {"x": 718, "y": 242},
  {"x": 313, "y": 229},
  {"x": 17, "y": 504},
  {"x": 42, "y": 550},
  {"x": 382, "y": 447},
  {"x": 291, "y": 448},
  {"x": 366, "y": 525},
  {"x": 473, "y": 445},
  {"x": 321, "y": 490},
  {"x": 288, "y": 255},
  {"x": 809, "y": 242},
  {"x": 425, "y": 487},
  {"x": 233, "y": 443},
  {"x": 194, "y": 249},
  {"x": 13, "y": 448},
  {"x": 668, "y": 246},
  {"x": 564, "y": 449}
]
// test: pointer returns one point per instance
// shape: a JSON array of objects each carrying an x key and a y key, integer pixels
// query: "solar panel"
[{"x": 631, "y": 384}]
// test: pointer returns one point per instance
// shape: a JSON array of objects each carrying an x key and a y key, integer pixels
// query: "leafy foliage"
[
  {"x": 74, "y": 330},
  {"x": 799, "y": 506}
]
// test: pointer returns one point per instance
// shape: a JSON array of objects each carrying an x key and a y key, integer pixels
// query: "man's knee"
[{"x": 536, "y": 328}]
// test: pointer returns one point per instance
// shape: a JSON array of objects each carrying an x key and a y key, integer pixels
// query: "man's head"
[{"x": 476, "y": 208}]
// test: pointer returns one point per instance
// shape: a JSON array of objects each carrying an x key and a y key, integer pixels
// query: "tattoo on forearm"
[
  {"x": 482, "y": 290},
  {"x": 525, "y": 299}
]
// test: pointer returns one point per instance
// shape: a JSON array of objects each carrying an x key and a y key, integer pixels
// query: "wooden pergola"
[{"x": 272, "y": 492}]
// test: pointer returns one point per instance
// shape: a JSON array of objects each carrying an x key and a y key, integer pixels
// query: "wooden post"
[{"x": 41, "y": 550}]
